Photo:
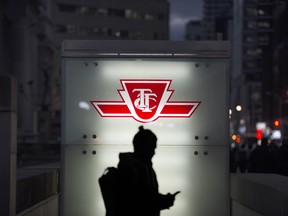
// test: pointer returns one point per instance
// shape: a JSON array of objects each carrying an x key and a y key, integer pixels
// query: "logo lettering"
[{"x": 143, "y": 100}]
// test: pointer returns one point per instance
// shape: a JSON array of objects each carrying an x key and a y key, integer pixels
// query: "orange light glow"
[{"x": 276, "y": 123}]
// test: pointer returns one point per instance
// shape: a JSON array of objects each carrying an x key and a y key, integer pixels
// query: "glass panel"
[
  {"x": 197, "y": 81},
  {"x": 183, "y": 101},
  {"x": 199, "y": 172}
]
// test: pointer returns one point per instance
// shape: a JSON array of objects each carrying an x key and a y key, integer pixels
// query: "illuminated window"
[
  {"x": 264, "y": 24},
  {"x": 258, "y": 11},
  {"x": 251, "y": 39},
  {"x": 261, "y": 12},
  {"x": 136, "y": 15},
  {"x": 103, "y": 32},
  {"x": 256, "y": 96},
  {"x": 83, "y": 9},
  {"x": 251, "y": 24},
  {"x": 265, "y": 11},
  {"x": 128, "y": 13},
  {"x": 264, "y": 38},
  {"x": 250, "y": 65},
  {"x": 102, "y": 11},
  {"x": 254, "y": 51},
  {"x": 149, "y": 16},
  {"x": 258, "y": 24},
  {"x": 251, "y": 11},
  {"x": 259, "y": 51}
]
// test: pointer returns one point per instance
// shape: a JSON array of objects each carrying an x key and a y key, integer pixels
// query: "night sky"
[{"x": 182, "y": 11}]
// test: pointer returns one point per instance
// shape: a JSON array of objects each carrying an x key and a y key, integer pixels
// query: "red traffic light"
[
  {"x": 259, "y": 134},
  {"x": 277, "y": 123}
]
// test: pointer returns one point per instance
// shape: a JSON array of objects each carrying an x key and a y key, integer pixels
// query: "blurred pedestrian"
[
  {"x": 242, "y": 163},
  {"x": 281, "y": 158},
  {"x": 261, "y": 159},
  {"x": 234, "y": 157}
]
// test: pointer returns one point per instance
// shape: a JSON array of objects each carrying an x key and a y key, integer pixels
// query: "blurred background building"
[
  {"x": 30, "y": 41},
  {"x": 259, "y": 74},
  {"x": 215, "y": 24},
  {"x": 31, "y": 32},
  {"x": 216, "y": 17},
  {"x": 258, "y": 36},
  {"x": 193, "y": 30}
]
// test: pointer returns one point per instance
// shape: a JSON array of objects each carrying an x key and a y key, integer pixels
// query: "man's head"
[{"x": 145, "y": 142}]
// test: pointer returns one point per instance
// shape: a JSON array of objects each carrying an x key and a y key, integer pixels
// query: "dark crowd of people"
[{"x": 263, "y": 157}]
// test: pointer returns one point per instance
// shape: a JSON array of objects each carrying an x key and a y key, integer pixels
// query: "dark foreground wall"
[
  {"x": 259, "y": 194},
  {"x": 36, "y": 184}
]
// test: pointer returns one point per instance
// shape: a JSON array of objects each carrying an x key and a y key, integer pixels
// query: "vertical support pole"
[{"x": 8, "y": 145}]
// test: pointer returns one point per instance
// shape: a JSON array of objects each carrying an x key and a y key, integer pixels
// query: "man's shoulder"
[
  {"x": 126, "y": 157},
  {"x": 129, "y": 160}
]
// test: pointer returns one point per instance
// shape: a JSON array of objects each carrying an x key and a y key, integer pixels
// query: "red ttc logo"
[{"x": 145, "y": 101}]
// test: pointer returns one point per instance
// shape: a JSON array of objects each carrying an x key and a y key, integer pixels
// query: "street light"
[{"x": 238, "y": 108}]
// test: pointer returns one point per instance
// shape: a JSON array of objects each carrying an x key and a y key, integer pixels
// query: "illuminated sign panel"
[
  {"x": 198, "y": 90},
  {"x": 145, "y": 101},
  {"x": 183, "y": 99}
]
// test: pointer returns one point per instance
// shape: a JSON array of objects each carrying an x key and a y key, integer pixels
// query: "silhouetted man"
[{"x": 138, "y": 193}]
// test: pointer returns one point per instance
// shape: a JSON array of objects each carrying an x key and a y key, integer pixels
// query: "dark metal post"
[{"x": 8, "y": 145}]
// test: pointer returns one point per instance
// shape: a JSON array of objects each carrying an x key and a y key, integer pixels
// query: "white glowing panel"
[
  {"x": 186, "y": 98},
  {"x": 199, "y": 172},
  {"x": 183, "y": 100}
]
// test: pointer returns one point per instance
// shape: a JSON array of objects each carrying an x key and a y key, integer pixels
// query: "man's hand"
[{"x": 171, "y": 198}]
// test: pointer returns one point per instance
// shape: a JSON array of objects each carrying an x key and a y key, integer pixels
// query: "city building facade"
[
  {"x": 256, "y": 71},
  {"x": 280, "y": 66},
  {"x": 98, "y": 19},
  {"x": 193, "y": 30},
  {"x": 216, "y": 19},
  {"x": 26, "y": 54},
  {"x": 31, "y": 36}
]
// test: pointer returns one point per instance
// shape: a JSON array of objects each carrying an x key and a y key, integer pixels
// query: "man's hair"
[{"x": 144, "y": 138}]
